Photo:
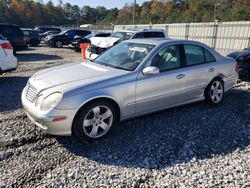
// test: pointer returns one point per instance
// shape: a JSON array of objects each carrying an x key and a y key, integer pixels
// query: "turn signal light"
[{"x": 59, "y": 118}]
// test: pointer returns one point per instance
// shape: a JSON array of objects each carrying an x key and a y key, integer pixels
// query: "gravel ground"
[{"x": 198, "y": 145}]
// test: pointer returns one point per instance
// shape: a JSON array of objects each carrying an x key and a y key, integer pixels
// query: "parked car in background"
[
  {"x": 243, "y": 61},
  {"x": 47, "y": 33},
  {"x": 13, "y": 34},
  {"x": 79, "y": 39},
  {"x": 8, "y": 61},
  {"x": 41, "y": 29},
  {"x": 65, "y": 37},
  {"x": 99, "y": 45},
  {"x": 133, "y": 78},
  {"x": 31, "y": 36}
]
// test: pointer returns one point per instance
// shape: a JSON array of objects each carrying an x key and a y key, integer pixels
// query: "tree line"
[{"x": 29, "y": 13}]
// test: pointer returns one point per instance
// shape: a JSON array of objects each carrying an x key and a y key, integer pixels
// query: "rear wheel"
[
  {"x": 95, "y": 121},
  {"x": 215, "y": 91}
]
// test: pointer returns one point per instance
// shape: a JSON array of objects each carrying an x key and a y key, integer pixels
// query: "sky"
[{"x": 94, "y": 3}]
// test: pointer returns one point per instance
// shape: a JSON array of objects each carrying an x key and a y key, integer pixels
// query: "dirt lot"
[{"x": 193, "y": 146}]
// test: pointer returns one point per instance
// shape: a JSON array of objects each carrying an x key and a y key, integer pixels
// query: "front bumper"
[{"x": 46, "y": 120}]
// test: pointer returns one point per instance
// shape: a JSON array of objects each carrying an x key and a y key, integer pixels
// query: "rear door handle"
[
  {"x": 211, "y": 70},
  {"x": 180, "y": 76}
]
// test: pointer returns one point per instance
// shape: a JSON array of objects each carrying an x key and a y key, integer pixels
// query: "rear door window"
[
  {"x": 26, "y": 33},
  {"x": 197, "y": 55},
  {"x": 194, "y": 54}
]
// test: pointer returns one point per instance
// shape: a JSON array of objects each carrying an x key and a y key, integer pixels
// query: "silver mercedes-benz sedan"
[{"x": 133, "y": 78}]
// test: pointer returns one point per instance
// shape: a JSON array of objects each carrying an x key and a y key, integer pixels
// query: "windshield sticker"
[
  {"x": 138, "y": 49},
  {"x": 94, "y": 67}
]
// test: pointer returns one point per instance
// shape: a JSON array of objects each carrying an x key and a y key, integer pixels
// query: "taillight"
[
  {"x": 6, "y": 45},
  {"x": 237, "y": 67}
]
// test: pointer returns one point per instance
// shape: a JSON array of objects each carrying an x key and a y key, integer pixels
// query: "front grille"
[
  {"x": 96, "y": 49},
  {"x": 31, "y": 93}
]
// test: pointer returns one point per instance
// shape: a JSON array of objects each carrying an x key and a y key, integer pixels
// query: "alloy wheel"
[
  {"x": 216, "y": 91},
  {"x": 98, "y": 121}
]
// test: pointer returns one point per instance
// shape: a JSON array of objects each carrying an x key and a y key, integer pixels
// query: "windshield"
[
  {"x": 88, "y": 36},
  {"x": 62, "y": 32},
  {"x": 126, "y": 55},
  {"x": 122, "y": 35}
]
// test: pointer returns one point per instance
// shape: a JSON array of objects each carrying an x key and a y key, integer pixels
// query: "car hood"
[
  {"x": 68, "y": 77},
  {"x": 104, "y": 42}
]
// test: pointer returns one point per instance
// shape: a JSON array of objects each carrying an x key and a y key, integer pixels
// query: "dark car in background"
[
  {"x": 64, "y": 38},
  {"x": 243, "y": 62},
  {"x": 31, "y": 36},
  {"x": 47, "y": 33},
  {"x": 13, "y": 34},
  {"x": 79, "y": 39},
  {"x": 42, "y": 29}
]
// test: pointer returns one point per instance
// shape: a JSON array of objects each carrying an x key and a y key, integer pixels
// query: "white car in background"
[
  {"x": 99, "y": 44},
  {"x": 8, "y": 61}
]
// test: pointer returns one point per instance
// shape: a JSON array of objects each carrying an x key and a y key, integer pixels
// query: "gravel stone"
[{"x": 198, "y": 145}]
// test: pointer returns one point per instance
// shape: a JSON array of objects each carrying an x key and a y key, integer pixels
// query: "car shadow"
[
  {"x": 170, "y": 137},
  {"x": 25, "y": 57},
  {"x": 9, "y": 87}
]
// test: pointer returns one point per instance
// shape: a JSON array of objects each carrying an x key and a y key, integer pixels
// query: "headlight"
[
  {"x": 39, "y": 100},
  {"x": 51, "y": 101}
]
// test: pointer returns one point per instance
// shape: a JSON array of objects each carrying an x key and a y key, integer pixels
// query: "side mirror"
[{"x": 151, "y": 70}]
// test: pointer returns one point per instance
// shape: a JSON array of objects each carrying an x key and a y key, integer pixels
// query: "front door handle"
[
  {"x": 180, "y": 76},
  {"x": 211, "y": 70}
]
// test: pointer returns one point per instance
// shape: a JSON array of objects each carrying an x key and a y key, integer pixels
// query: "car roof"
[
  {"x": 8, "y": 24},
  {"x": 48, "y": 27},
  {"x": 28, "y": 29},
  {"x": 140, "y": 30}
]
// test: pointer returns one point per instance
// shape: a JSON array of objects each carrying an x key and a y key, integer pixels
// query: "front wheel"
[
  {"x": 215, "y": 91},
  {"x": 95, "y": 121},
  {"x": 59, "y": 44}
]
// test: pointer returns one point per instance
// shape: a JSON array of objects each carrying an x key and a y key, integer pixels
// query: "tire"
[
  {"x": 59, "y": 44},
  {"x": 214, "y": 92},
  {"x": 34, "y": 42},
  {"x": 95, "y": 121}
]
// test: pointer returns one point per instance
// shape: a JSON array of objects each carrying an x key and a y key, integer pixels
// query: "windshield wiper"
[
  {"x": 116, "y": 67},
  {"x": 109, "y": 65}
]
